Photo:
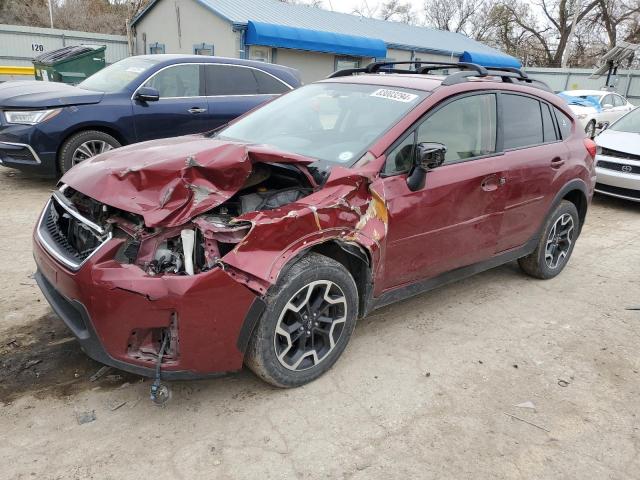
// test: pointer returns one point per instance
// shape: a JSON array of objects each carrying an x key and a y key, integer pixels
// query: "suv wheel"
[
  {"x": 307, "y": 324},
  {"x": 83, "y": 145},
  {"x": 556, "y": 243}
]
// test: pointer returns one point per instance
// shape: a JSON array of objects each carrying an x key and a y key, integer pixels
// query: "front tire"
[
  {"x": 556, "y": 243},
  {"x": 83, "y": 145},
  {"x": 306, "y": 326}
]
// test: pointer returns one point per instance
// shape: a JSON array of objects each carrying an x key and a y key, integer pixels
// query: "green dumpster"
[{"x": 69, "y": 64}]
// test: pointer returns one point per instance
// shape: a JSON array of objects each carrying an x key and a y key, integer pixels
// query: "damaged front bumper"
[{"x": 119, "y": 313}]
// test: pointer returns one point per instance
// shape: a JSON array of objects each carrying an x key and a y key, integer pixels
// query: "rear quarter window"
[
  {"x": 564, "y": 123},
  {"x": 267, "y": 84},
  {"x": 549, "y": 131}
]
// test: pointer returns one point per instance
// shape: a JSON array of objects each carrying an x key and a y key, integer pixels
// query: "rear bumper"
[{"x": 104, "y": 302}]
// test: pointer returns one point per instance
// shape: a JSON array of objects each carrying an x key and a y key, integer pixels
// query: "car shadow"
[
  {"x": 615, "y": 203},
  {"x": 27, "y": 179}
]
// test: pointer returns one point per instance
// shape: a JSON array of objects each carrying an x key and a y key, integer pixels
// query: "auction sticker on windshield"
[{"x": 396, "y": 95}]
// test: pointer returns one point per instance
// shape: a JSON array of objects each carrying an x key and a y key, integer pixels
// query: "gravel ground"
[{"x": 427, "y": 388}]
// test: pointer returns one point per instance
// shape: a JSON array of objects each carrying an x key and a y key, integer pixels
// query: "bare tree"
[
  {"x": 553, "y": 30},
  {"x": 308, "y": 3},
  {"x": 392, "y": 10},
  {"x": 397, "y": 10},
  {"x": 450, "y": 15},
  {"x": 19, "y": 12},
  {"x": 619, "y": 18}
]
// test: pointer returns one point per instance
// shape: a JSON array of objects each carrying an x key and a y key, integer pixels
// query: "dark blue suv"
[{"x": 46, "y": 128}]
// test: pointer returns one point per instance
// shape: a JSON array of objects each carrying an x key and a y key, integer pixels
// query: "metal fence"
[
  {"x": 627, "y": 82},
  {"x": 20, "y": 44}
]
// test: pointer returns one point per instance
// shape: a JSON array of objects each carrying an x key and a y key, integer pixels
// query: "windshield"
[
  {"x": 629, "y": 123},
  {"x": 582, "y": 100},
  {"x": 118, "y": 75},
  {"x": 332, "y": 122}
]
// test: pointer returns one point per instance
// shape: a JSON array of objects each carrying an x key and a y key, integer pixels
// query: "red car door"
[
  {"x": 455, "y": 219},
  {"x": 534, "y": 154}
]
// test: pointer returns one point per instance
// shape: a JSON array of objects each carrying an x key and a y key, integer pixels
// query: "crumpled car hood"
[{"x": 172, "y": 180}]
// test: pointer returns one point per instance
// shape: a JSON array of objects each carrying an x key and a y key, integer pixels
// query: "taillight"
[{"x": 591, "y": 147}]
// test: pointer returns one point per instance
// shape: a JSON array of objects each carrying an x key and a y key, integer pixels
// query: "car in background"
[
  {"x": 596, "y": 109},
  {"x": 46, "y": 128},
  {"x": 618, "y": 158}
]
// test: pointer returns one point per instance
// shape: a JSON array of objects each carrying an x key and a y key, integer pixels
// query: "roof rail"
[
  {"x": 421, "y": 67},
  {"x": 467, "y": 70}
]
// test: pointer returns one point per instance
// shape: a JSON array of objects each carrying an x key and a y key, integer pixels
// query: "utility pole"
[{"x": 50, "y": 12}]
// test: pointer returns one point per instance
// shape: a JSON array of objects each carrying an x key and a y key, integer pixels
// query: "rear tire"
[
  {"x": 310, "y": 315},
  {"x": 83, "y": 145},
  {"x": 556, "y": 243}
]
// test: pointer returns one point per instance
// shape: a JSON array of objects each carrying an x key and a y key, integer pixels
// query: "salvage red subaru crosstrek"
[{"x": 263, "y": 242}]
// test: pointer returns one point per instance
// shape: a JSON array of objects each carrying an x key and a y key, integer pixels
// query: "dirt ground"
[{"x": 428, "y": 388}]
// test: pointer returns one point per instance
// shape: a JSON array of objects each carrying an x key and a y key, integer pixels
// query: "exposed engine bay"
[{"x": 200, "y": 244}]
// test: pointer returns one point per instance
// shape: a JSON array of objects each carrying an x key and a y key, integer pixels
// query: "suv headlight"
[{"x": 30, "y": 117}]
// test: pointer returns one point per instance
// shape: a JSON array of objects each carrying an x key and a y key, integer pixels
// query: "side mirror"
[
  {"x": 607, "y": 106},
  {"x": 147, "y": 94},
  {"x": 428, "y": 156}
]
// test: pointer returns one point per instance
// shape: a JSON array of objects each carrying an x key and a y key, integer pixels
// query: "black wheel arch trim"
[
  {"x": 256, "y": 310},
  {"x": 569, "y": 187}
]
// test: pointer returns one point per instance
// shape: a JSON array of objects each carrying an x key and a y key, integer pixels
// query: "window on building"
[
  {"x": 466, "y": 126},
  {"x": 177, "y": 81},
  {"x": 521, "y": 121},
  {"x": 260, "y": 54},
  {"x": 155, "y": 48},
  {"x": 343, "y": 63},
  {"x": 203, "y": 49}
]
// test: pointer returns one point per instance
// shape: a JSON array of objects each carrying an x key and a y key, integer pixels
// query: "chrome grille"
[{"x": 67, "y": 235}]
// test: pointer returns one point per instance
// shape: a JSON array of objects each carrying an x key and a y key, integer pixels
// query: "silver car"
[{"x": 618, "y": 158}]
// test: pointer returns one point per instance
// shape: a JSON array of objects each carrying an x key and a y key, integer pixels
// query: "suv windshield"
[
  {"x": 629, "y": 123},
  {"x": 332, "y": 122},
  {"x": 118, "y": 75}
]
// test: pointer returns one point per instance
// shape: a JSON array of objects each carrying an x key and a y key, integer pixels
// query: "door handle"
[
  {"x": 492, "y": 182},
  {"x": 195, "y": 110},
  {"x": 557, "y": 163}
]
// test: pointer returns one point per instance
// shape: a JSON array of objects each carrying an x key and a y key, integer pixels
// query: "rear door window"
[
  {"x": 521, "y": 121},
  {"x": 607, "y": 100},
  {"x": 548, "y": 129},
  {"x": 618, "y": 101},
  {"x": 229, "y": 80},
  {"x": 269, "y": 85}
]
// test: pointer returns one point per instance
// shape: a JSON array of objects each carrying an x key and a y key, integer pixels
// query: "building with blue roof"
[{"x": 315, "y": 41}]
